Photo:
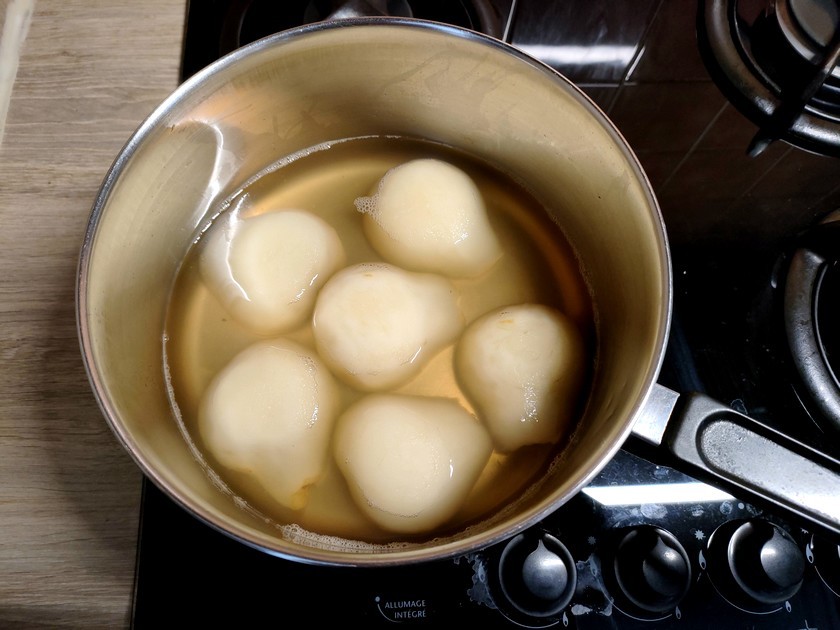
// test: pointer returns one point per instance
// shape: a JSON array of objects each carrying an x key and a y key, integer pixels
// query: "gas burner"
[
  {"x": 780, "y": 70},
  {"x": 222, "y": 26},
  {"x": 811, "y": 312},
  {"x": 249, "y": 20}
]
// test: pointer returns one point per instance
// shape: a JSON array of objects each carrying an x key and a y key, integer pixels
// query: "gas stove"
[{"x": 749, "y": 204}]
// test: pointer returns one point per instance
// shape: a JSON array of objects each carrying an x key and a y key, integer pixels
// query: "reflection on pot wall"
[{"x": 639, "y": 60}]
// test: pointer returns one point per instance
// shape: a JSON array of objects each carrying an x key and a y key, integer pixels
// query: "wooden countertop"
[{"x": 89, "y": 73}]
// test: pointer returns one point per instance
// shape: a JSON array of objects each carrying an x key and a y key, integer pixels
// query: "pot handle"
[{"x": 718, "y": 445}]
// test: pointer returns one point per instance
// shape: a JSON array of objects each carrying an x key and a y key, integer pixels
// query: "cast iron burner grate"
[
  {"x": 811, "y": 313},
  {"x": 780, "y": 69},
  {"x": 223, "y": 26}
]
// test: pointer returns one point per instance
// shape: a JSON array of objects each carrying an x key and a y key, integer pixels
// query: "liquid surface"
[{"x": 537, "y": 266}]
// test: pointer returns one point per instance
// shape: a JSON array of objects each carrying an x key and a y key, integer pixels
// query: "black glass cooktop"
[
  {"x": 644, "y": 546},
  {"x": 190, "y": 574}
]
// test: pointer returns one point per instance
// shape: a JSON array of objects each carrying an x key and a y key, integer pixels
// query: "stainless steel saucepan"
[{"x": 389, "y": 76}]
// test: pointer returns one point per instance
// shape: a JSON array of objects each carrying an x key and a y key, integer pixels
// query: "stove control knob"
[
  {"x": 755, "y": 564},
  {"x": 536, "y": 574},
  {"x": 648, "y": 571},
  {"x": 825, "y": 555}
]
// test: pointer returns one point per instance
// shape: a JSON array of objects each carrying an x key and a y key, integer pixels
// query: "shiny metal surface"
[
  {"x": 724, "y": 446},
  {"x": 794, "y": 119},
  {"x": 593, "y": 42},
  {"x": 653, "y": 420},
  {"x": 311, "y": 85},
  {"x": 807, "y": 267}
]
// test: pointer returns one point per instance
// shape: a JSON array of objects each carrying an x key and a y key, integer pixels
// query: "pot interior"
[{"x": 328, "y": 82}]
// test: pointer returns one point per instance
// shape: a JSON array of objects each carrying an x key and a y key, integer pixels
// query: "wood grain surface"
[{"x": 89, "y": 73}]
